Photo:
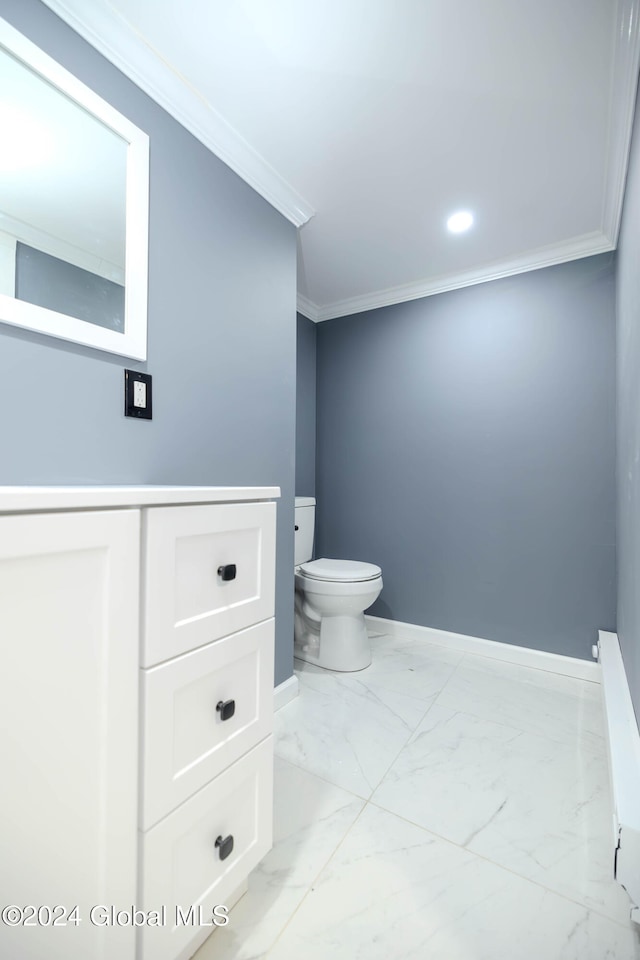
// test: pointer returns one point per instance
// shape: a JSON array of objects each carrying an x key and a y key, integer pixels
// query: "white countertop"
[{"x": 23, "y": 499}]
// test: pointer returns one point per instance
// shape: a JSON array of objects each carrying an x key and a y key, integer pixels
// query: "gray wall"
[
  {"x": 628, "y": 412},
  {"x": 222, "y": 336},
  {"x": 306, "y": 408},
  {"x": 466, "y": 443}
]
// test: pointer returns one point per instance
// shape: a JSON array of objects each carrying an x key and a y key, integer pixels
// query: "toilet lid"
[{"x": 345, "y": 570}]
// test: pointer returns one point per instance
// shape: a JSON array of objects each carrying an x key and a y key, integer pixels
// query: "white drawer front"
[
  {"x": 187, "y": 601},
  {"x": 186, "y": 740},
  {"x": 181, "y": 865}
]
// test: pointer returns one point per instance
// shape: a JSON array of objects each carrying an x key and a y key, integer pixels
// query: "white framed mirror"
[{"x": 74, "y": 206}]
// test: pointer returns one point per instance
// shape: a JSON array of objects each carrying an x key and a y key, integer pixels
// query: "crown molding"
[
  {"x": 585, "y": 246},
  {"x": 624, "y": 82},
  {"x": 112, "y": 36},
  {"x": 308, "y": 309}
]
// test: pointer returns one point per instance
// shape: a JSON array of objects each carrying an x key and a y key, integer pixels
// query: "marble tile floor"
[{"x": 441, "y": 806}]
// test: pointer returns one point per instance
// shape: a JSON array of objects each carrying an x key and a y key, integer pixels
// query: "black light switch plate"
[{"x": 137, "y": 395}]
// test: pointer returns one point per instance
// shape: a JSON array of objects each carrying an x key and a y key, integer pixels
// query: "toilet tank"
[{"x": 305, "y": 527}]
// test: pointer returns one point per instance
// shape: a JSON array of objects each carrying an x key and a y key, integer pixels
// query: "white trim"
[
  {"x": 624, "y": 767},
  {"x": 510, "y": 653},
  {"x": 285, "y": 692},
  {"x": 307, "y": 308},
  {"x": 585, "y": 246},
  {"x": 624, "y": 81},
  {"x": 109, "y": 33},
  {"x": 133, "y": 341}
]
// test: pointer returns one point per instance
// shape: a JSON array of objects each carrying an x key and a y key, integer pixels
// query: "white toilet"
[{"x": 331, "y": 597}]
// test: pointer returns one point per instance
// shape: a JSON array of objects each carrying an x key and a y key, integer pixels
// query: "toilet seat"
[{"x": 340, "y": 571}]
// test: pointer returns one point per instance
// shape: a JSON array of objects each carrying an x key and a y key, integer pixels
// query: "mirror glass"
[{"x": 73, "y": 207}]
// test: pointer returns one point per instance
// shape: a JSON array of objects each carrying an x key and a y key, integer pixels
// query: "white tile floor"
[{"x": 439, "y": 806}]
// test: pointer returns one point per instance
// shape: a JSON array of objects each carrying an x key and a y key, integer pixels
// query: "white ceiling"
[{"x": 367, "y": 122}]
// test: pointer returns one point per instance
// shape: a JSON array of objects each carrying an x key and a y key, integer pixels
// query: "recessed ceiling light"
[{"x": 459, "y": 222}]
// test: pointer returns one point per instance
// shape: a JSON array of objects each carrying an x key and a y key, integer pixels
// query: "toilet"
[{"x": 331, "y": 597}]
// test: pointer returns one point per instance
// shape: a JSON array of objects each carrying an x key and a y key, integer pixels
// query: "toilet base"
[{"x": 341, "y": 643}]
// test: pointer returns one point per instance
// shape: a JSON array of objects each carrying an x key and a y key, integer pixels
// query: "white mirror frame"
[{"x": 133, "y": 342}]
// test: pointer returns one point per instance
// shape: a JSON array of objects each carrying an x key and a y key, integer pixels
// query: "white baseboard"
[
  {"x": 523, "y": 656},
  {"x": 623, "y": 740},
  {"x": 285, "y": 692}
]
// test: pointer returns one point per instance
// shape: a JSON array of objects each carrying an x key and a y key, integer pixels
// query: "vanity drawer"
[
  {"x": 208, "y": 571},
  {"x": 181, "y": 863},
  {"x": 187, "y": 741}
]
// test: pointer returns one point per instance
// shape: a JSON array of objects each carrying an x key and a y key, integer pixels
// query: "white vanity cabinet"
[
  {"x": 136, "y": 702},
  {"x": 68, "y": 733}
]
